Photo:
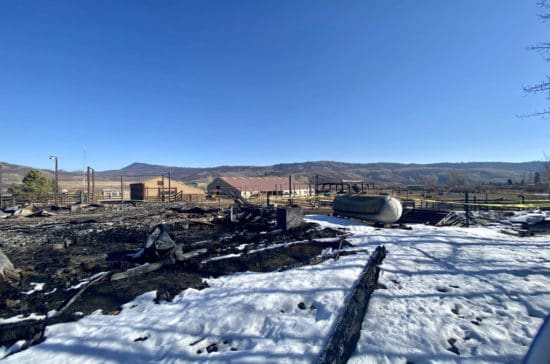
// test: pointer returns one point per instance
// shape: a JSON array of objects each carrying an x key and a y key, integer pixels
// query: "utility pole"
[
  {"x": 90, "y": 177},
  {"x": 56, "y": 192}
]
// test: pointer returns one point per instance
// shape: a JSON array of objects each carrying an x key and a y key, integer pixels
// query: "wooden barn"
[{"x": 164, "y": 189}]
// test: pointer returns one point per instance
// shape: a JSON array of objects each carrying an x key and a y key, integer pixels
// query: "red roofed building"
[{"x": 253, "y": 186}]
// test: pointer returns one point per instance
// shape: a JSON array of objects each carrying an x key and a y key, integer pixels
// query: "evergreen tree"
[{"x": 33, "y": 183}]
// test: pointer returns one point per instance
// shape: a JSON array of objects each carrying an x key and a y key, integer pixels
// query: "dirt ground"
[{"x": 65, "y": 250}]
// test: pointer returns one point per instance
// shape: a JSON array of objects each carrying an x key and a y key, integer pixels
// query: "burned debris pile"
[
  {"x": 102, "y": 257},
  {"x": 432, "y": 217},
  {"x": 526, "y": 224}
]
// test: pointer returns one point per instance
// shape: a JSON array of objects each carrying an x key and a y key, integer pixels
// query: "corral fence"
[
  {"x": 321, "y": 202},
  {"x": 44, "y": 199},
  {"x": 450, "y": 201}
]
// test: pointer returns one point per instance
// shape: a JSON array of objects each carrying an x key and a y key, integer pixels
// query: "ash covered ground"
[{"x": 56, "y": 255}]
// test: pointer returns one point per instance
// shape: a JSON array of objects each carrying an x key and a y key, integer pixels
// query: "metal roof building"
[{"x": 251, "y": 186}]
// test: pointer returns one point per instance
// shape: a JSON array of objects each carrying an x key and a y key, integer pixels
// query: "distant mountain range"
[{"x": 474, "y": 172}]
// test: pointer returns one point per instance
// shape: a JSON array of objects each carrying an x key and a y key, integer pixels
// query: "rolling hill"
[{"x": 473, "y": 172}]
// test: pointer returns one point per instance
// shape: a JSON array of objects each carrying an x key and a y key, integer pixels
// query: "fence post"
[{"x": 466, "y": 209}]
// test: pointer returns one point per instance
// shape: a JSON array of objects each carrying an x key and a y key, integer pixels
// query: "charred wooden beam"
[{"x": 345, "y": 336}]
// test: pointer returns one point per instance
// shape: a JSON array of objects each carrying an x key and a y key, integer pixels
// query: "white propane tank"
[{"x": 383, "y": 209}]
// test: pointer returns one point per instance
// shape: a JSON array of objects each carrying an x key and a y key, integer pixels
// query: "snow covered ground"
[{"x": 451, "y": 295}]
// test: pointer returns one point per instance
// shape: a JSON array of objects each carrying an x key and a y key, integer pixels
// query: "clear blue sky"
[{"x": 205, "y": 83}]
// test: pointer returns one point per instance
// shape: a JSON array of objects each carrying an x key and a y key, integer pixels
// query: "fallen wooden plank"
[
  {"x": 185, "y": 256},
  {"x": 142, "y": 269},
  {"x": 71, "y": 300},
  {"x": 201, "y": 221}
]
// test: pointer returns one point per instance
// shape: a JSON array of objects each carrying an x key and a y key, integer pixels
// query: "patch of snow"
[
  {"x": 32, "y": 316},
  {"x": 529, "y": 218},
  {"x": 87, "y": 280},
  {"x": 36, "y": 287},
  {"x": 276, "y": 246},
  {"x": 453, "y": 294},
  {"x": 447, "y": 295},
  {"x": 327, "y": 240},
  {"x": 251, "y": 317},
  {"x": 221, "y": 257},
  {"x": 12, "y": 349}
]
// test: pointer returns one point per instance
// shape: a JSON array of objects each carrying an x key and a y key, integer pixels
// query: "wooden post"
[
  {"x": 289, "y": 189},
  {"x": 467, "y": 208},
  {"x": 56, "y": 179},
  {"x": 316, "y": 185},
  {"x": 88, "y": 185},
  {"x": 170, "y": 188},
  {"x": 93, "y": 185}
]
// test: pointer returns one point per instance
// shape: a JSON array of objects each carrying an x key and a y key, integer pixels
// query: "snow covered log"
[{"x": 384, "y": 209}]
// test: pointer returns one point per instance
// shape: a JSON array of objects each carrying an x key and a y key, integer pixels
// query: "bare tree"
[
  {"x": 542, "y": 48},
  {"x": 429, "y": 179},
  {"x": 457, "y": 177},
  {"x": 544, "y": 173}
]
